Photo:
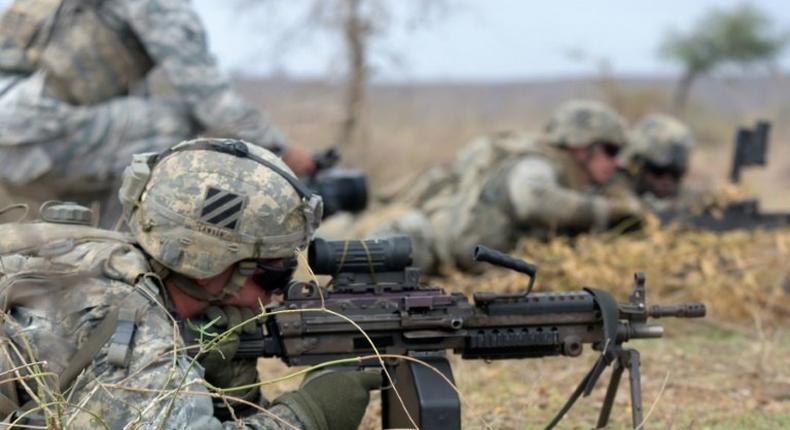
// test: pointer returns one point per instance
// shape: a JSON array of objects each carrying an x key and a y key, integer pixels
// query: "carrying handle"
[{"x": 491, "y": 256}]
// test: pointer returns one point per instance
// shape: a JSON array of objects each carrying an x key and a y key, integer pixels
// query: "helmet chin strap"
[{"x": 232, "y": 287}]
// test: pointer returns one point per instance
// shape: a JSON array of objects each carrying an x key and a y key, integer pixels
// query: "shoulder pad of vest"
[{"x": 28, "y": 237}]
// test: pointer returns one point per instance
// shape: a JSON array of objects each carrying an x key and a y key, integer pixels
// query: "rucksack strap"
[
  {"x": 84, "y": 356},
  {"x": 117, "y": 327}
]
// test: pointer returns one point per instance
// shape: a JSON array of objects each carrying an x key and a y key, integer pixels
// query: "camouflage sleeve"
[
  {"x": 537, "y": 197},
  {"x": 160, "y": 388},
  {"x": 175, "y": 38}
]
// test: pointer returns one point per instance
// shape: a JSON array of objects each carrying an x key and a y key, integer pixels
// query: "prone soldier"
[
  {"x": 655, "y": 163},
  {"x": 514, "y": 184},
  {"x": 215, "y": 226}
]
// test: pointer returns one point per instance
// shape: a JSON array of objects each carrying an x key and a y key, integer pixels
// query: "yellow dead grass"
[{"x": 739, "y": 275}]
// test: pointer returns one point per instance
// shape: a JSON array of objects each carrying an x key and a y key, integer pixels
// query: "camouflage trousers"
[{"x": 52, "y": 150}]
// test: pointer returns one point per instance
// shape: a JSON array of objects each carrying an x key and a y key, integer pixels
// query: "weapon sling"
[{"x": 609, "y": 313}]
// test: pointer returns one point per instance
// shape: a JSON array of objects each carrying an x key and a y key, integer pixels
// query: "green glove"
[
  {"x": 227, "y": 316},
  {"x": 334, "y": 400},
  {"x": 221, "y": 369}
]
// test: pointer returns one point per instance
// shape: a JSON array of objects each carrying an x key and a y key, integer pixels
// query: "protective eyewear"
[{"x": 676, "y": 172}]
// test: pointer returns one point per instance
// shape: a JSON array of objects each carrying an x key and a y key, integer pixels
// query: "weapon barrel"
[{"x": 683, "y": 310}]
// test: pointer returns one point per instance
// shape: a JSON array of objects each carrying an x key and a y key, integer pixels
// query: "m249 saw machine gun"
[
  {"x": 373, "y": 284},
  {"x": 751, "y": 147}
]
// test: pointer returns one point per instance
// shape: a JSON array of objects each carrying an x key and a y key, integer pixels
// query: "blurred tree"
[
  {"x": 356, "y": 24},
  {"x": 743, "y": 36}
]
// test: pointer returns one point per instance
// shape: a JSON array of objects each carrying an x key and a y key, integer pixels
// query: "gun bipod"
[{"x": 626, "y": 359}]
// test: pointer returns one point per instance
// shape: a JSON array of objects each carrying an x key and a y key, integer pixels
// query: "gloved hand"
[
  {"x": 228, "y": 316},
  {"x": 333, "y": 400},
  {"x": 625, "y": 207},
  {"x": 221, "y": 369}
]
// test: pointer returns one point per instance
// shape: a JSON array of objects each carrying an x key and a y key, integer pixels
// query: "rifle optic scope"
[{"x": 329, "y": 257}]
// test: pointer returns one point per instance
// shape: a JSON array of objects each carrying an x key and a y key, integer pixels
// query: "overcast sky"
[{"x": 484, "y": 40}]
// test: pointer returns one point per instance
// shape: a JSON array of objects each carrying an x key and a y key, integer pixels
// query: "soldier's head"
[
  {"x": 592, "y": 133},
  {"x": 219, "y": 211},
  {"x": 658, "y": 154}
]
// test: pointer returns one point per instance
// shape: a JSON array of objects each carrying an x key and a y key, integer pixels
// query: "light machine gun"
[
  {"x": 374, "y": 285},
  {"x": 751, "y": 147}
]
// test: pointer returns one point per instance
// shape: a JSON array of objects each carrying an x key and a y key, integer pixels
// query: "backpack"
[{"x": 40, "y": 265}]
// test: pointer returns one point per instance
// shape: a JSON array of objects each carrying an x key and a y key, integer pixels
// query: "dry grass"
[{"x": 739, "y": 275}]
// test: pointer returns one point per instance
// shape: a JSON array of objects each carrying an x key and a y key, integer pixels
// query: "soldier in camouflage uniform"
[
  {"x": 89, "y": 336},
  {"x": 76, "y": 96},
  {"x": 514, "y": 184},
  {"x": 655, "y": 162}
]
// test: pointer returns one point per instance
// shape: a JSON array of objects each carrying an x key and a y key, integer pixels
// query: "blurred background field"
[{"x": 729, "y": 371}]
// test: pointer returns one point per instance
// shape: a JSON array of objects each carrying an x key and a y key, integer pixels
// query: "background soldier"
[
  {"x": 656, "y": 161},
  {"x": 509, "y": 185},
  {"x": 76, "y": 97},
  {"x": 214, "y": 227}
]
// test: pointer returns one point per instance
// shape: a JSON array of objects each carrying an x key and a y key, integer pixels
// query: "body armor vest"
[
  {"x": 36, "y": 254},
  {"x": 87, "y": 60},
  {"x": 490, "y": 157}
]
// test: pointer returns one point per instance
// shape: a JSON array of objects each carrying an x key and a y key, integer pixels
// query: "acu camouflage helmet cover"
[
  {"x": 202, "y": 211},
  {"x": 580, "y": 123},
  {"x": 661, "y": 140}
]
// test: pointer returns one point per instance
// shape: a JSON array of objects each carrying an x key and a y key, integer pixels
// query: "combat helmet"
[
  {"x": 579, "y": 123},
  {"x": 660, "y": 140},
  {"x": 206, "y": 204}
]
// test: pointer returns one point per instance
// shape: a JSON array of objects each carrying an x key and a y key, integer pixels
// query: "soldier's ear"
[{"x": 135, "y": 178}]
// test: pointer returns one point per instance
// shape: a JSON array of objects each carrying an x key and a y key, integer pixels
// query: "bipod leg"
[
  {"x": 611, "y": 393},
  {"x": 634, "y": 377}
]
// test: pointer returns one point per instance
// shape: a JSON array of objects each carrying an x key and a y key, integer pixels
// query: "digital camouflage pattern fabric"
[
  {"x": 660, "y": 146},
  {"x": 505, "y": 186},
  {"x": 578, "y": 123},
  {"x": 58, "y": 284},
  {"x": 200, "y": 211},
  {"x": 63, "y": 130},
  {"x": 662, "y": 140}
]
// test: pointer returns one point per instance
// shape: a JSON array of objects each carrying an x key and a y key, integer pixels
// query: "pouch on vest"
[
  {"x": 87, "y": 61},
  {"x": 32, "y": 279},
  {"x": 20, "y": 27}
]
